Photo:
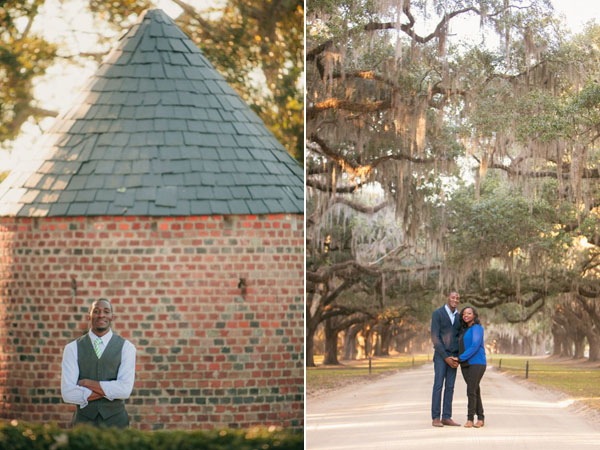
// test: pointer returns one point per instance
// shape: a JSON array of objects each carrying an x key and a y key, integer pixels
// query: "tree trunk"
[
  {"x": 386, "y": 339},
  {"x": 594, "y": 341},
  {"x": 331, "y": 347},
  {"x": 368, "y": 332},
  {"x": 560, "y": 340},
  {"x": 526, "y": 346},
  {"x": 310, "y": 339},
  {"x": 377, "y": 351},
  {"x": 350, "y": 350},
  {"x": 309, "y": 350},
  {"x": 514, "y": 346},
  {"x": 555, "y": 343},
  {"x": 568, "y": 350},
  {"x": 403, "y": 338},
  {"x": 579, "y": 340}
]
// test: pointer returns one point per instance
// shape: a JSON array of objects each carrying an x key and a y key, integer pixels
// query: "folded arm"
[
  {"x": 121, "y": 387},
  {"x": 71, "y": 391},
  {"x": 94, "y": 386}
]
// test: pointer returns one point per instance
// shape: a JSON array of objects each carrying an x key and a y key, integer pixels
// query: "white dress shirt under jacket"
[
  {"x": 117, "y": 389},
  {"x": 451, "y": 314}
]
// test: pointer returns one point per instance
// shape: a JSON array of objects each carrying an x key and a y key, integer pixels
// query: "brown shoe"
[
  {"x": 437, "y": 423},
  {"x": 479, "y": 424},
  {"x": 469, "y": 424},
  {"x": 450, "y": 422}
]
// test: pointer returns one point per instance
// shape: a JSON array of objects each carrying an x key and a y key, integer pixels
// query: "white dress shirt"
[
  {"x": 117, "y": 389},
  {"x": 451, "y": 314}
]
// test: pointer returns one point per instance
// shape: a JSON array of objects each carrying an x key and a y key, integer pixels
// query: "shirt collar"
[
  {"x": 448, "y": 310},
  {"x": 105, "y": 338}
]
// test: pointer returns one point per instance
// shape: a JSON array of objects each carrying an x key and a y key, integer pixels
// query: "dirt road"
[{"x": 394, "y": 413}]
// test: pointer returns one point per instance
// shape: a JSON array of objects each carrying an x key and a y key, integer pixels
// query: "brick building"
[{"x": 163, "y": 192}]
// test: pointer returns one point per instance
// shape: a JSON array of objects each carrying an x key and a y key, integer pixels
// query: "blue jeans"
[{"x": 443, "y": 372}]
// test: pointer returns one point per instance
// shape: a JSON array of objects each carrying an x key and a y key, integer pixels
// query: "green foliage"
[
  {"x": 561, "y": 101},
  {"x": 23, "y": 57},
  {"x": 23, "y": 436},
  {"x": 528, "y": 109},
  {"x": 501, "y": 221}
]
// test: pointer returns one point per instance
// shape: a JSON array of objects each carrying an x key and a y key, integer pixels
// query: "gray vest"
[{"x": 104, "y": 369}]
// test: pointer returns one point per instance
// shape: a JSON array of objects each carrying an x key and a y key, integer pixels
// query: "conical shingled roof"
[{"x": 157, "y": 132}]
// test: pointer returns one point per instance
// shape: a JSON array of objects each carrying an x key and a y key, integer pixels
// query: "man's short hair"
[{"x": 102, "y": 300}]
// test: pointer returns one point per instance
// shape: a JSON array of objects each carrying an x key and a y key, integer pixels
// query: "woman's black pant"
[{"x": 472, "y": 375}]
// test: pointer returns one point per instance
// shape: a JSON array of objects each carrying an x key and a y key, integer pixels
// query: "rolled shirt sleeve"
[
  {"x": 71, "y": 392},
  {"x": 121, "y": 387}
]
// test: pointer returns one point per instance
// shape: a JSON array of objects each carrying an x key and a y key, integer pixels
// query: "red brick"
[{"x": 173, "y": 283}]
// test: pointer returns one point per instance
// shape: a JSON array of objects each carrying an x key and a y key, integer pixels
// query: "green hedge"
[{"x": 25, "y": 436}]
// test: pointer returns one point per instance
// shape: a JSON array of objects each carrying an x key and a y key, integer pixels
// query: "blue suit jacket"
[{"x": 444, "y": 335}]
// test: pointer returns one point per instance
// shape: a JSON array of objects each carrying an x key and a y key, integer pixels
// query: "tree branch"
[
  {"x": 407, "y": 28},
  {"x": 589, "y": 309},
  {"x": 205, "y": 26},
  {"x": 41, "y": 112},
  {"x": 353, "y": 321},
  {"x": 401, "y": 157},
  {"x": 503, "y": 297},
  {"x": 316, "y": 184},
  {"x": 587, "y": 173},
  {"x": 361, "y": 208},
  {"x": 321, "y": 276},
  {"x": 98, "y": 56},
  {"x": 327, "y": 151},
  {"x": 530, "y": 315},
  {"x": 336, "y": 293},
  {"x": 337, "y": 103},
  {"x": 344, "y": 162}
]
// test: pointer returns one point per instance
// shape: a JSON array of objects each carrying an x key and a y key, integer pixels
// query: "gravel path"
[{"x": 394, "y": 413}]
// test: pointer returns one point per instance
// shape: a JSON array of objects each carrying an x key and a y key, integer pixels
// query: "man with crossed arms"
[{"x": 98, "y": 371}]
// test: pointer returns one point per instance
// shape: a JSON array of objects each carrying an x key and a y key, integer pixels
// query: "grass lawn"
[
  {"x": 577, "y": 378},
  {"x": 324, "y": 378}
]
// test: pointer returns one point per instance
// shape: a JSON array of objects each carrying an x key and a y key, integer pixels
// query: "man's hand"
[
  {"x": 94, "y": 386},
  {"x": 94, "y": 396},
  {"x": 452, "y": 361}
]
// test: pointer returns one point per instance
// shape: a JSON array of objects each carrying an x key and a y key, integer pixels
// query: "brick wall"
[{"x": 209, "y": 355}]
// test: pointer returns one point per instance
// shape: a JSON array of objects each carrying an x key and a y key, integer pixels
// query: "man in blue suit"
[{"x": 445, "y": 327}]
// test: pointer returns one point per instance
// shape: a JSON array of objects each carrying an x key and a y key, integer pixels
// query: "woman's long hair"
[{"x": 463, "y": 324}]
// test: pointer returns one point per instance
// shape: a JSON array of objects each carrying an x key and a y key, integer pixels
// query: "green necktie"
[{"x": 97, "y": 349}]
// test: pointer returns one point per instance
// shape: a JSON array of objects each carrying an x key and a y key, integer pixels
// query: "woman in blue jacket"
[{"x": 472, "y": 363}]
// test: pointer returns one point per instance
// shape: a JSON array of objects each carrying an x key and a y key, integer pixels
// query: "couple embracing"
[{"x": 457, "y": 340}]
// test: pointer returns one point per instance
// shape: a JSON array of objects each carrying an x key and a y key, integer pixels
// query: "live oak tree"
[
  {"x": 358, "y": 277},
  {"x": 544, "y": 143},
  {"x": 398, "y": 108}
]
